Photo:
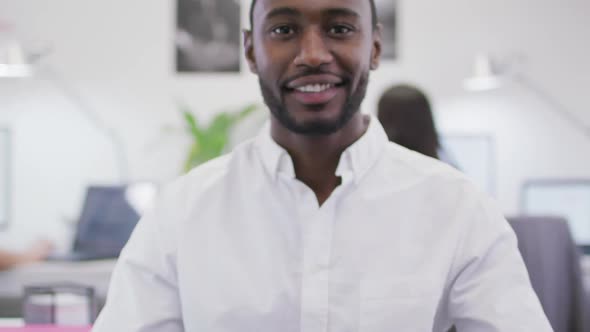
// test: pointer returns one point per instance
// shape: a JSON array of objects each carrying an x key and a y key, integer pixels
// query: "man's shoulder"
[
  {"x": 408, "y": 164},
  {"x": 407, "y": 173},
  {"x": 210, "y": 170},
  {"x": 235, "y": 164}
]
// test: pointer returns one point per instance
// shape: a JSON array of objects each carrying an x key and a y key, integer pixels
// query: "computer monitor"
[
  {"x": 566, "y": 198},
  {"x": 106, "y": 222}
]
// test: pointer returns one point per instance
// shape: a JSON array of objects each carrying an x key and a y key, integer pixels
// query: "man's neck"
[{"x": 315, "y": 158}]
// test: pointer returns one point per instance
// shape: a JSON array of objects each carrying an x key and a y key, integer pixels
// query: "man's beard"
[{"x": 320, "y": 127}]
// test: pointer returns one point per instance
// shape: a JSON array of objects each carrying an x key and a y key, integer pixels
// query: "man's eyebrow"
[
  {"x": 341, "y": 12},
  {"x": 282, "y": 11}
]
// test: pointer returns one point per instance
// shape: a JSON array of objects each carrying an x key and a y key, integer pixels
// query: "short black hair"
[{"x": 374, "y": 19}]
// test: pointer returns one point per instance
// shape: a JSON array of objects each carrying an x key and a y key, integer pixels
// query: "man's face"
[{"x": 313, "y": 58}]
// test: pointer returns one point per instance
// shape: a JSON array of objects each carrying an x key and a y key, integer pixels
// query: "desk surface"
[
  {"x": 98, "y": 273},
  {"x": 92, "y": 273}
]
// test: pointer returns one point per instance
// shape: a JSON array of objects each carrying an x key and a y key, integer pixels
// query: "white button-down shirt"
[{"x": 405, "y": 243}]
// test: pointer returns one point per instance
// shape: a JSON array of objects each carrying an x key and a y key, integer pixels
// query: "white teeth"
[{"x": 314, "y": 87}]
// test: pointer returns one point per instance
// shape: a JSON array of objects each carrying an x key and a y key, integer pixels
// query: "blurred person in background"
[
  {"x": 37, "y": 252},
  {"x": 406, "y": 115}
]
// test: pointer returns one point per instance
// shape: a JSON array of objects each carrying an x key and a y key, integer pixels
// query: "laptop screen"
[{"x": 106, "y": 221}]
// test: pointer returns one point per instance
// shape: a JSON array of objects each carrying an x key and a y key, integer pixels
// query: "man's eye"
[
  {"x": 283, "y": 30},
  {"x": 340, "y": 30}
]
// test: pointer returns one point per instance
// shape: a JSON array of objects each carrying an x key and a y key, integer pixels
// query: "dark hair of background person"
[
  {"x": 373, "y": 14},
  {"x": 405, "y": 113}
]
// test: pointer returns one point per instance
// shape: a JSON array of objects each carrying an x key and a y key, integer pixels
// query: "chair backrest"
[{"x": 553, "y": 263}]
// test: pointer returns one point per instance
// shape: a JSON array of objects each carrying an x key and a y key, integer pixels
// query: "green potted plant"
[{"x": 210, "y": 141}]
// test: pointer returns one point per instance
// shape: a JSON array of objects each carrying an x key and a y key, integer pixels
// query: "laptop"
[{"x": 106, "y": 222}]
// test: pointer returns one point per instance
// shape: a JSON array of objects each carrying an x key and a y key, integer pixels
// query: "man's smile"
[{"x": 315, "y": 89}]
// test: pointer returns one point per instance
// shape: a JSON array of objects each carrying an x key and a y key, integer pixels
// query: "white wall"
[{"x": 119, "y": 56}]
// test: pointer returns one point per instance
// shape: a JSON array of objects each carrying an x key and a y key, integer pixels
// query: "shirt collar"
[{"x": 356, "y": 160}]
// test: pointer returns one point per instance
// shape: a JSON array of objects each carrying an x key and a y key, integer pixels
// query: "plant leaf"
[
  {"x": 192, "y": 124},
  {"x": 210, "y": 142},
  {"x": 246, "y": 111}
]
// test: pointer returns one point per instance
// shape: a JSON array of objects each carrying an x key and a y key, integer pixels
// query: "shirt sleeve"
[
  {"x": 491, "y": 290},
  {"x": 143, "y": 292}
]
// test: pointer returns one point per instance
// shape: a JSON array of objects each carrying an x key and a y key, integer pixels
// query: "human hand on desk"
[{"x": 37, "y": 252}]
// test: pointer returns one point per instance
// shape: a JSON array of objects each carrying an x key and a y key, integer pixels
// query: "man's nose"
[{"x": 313, "y": 51}]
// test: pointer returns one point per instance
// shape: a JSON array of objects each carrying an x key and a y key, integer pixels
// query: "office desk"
[{"x": 96, "y": 274}]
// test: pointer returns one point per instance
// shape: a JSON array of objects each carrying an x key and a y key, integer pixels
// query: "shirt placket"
[
  {"x": 315, "y": 270},
  {"x": 317, "y": 224}
]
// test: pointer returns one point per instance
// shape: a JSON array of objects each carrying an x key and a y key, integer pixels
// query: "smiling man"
[{"x": 320, "y": 224}]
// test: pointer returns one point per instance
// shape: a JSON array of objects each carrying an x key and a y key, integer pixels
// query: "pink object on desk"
[{"x": 46, "y": 328}]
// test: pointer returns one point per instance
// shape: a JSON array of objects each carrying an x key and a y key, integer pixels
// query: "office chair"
[{"x": 553, "y": 262}]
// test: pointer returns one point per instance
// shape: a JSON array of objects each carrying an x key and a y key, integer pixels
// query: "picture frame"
[
  {"x": 387, "y": 15},
  {"x": 207, "y": 36}
]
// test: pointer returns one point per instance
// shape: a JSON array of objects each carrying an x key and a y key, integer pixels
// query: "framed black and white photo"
[
  {"x": 387, "y": 15},
  {"x": 207, "y": 36},
  {"x": 4, "y": 177},
  {"x": 474, "y": 155}
]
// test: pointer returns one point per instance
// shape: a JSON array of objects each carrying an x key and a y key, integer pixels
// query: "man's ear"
[
  {"x": 249, "y": 51},
  {"x": 376, "y": 49}
]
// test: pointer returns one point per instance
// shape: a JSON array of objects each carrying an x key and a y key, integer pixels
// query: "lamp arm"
[
  {"x": 555, "y": 106},
  {"x": 91, "y": 115}
]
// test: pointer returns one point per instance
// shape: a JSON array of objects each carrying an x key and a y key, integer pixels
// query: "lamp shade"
[{"x": 13, "y": 61}]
